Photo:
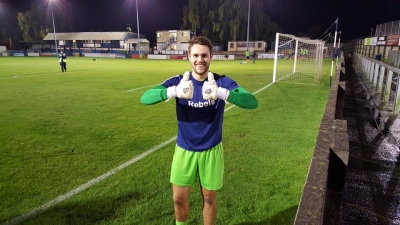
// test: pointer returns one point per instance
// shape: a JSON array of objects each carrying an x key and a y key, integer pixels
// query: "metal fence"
[
  {"x": 387, "y": 28},
  {"x": 394, "y": 58},
  {"x": 358, "y": 46},
  {"x": 383, "y": 88}
]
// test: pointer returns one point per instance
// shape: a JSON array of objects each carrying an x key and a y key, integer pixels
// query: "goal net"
[{"x": 297, "y": 60}]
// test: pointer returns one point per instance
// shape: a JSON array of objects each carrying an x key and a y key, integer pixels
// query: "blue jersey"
[{"x": 200, "y": 120}]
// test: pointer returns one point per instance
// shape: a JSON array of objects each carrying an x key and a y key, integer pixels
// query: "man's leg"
[
  {"x": 209, "y": 206},
  {"x": 211, "y": 173},
  {"x": 181, "y": 202}
]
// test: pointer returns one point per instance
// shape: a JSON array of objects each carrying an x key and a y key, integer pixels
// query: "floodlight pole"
[
  {"x": 248, "y": 26},
  {"x": 335, "y": 52},
  {"x": 137, "y": 19},
  {"x": 337, "y": 55},
  {"x": 54, "y": 26}
]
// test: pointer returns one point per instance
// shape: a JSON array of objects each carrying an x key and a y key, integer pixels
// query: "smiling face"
[
  {"x": 200, "y": 58},
  {"x": 200, "y": 55}
]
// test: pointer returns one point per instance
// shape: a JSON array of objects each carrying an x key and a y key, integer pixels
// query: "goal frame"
[{"x": 307, "y": 56}]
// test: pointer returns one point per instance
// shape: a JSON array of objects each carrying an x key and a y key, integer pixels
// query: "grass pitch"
[{"x": 60, "y": 131}]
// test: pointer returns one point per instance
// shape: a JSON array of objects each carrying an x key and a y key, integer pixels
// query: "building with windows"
[
  {"x": 170, "y": 42},
  {"x": 241, "y": 46},
  {"x": 173, "y": 41},
  {"x": 100, "y": 41}
]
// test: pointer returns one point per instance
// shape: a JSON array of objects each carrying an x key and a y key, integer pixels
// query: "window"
[
  {"x": 231, "y": 45},
  {"x": 259, "y": 45}
]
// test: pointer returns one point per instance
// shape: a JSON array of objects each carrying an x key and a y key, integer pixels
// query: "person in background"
[
  {"x": 253, "y": 56},
  {"x": 200, "y": 97},
  {"x": 62, "y": 57},
  {"x": 247, "y": 53}
]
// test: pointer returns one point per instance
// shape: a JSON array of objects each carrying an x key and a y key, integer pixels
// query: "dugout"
[{"x": 35, "y": 45}]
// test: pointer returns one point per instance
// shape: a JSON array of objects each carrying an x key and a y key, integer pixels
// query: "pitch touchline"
[
  {"x": 88, "y": 184},
  {"x": 141, "y": 88},
  {"x": 99, "y": 178}
]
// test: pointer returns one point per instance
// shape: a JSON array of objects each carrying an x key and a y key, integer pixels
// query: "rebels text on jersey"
[{"x": 200, "y": 120}]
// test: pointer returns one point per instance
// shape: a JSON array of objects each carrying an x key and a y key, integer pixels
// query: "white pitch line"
[
  {"x": 141, "y": 88},
  {"x": 26, "y": 75},
  {"x": 263, "y": 88},
  {"x": 88, "y": 184},
  {"x": 98, "y": 179}
]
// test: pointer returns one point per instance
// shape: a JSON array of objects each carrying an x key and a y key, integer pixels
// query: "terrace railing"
[{"x": 383, "y": 88}]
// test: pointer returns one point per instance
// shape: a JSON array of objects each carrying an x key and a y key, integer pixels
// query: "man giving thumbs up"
[{"x": 200, "y": 98}]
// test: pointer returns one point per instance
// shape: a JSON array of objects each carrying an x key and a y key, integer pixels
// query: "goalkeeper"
[{"x": 200, "y": 98}]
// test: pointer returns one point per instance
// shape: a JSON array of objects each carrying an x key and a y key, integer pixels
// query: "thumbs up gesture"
[
  {"x": 211, "y": 91},
  {"x": 185, "y": 87},
  {"x": 210, "y": 88}
]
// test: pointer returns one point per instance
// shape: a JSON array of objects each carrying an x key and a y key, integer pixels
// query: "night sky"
[{"x": 356, "y": 17}]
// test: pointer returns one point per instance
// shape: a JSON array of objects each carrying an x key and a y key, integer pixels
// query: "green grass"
[{"x": 61, "y": 130}]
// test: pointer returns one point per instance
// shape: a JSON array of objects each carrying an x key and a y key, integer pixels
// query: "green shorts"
[{"x": 207, "y": 165}]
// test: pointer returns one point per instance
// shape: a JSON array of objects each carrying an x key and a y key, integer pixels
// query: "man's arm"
[
  {"x": 154, "y": 95},
  {"x": 161, "y": 93},
  {"x": 242, "y": 98}
]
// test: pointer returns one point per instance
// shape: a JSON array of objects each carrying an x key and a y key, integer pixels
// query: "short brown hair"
[{"x": 200, "y": 40}]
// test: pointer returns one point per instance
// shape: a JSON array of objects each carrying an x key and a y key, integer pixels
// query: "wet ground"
[{"x": 371, "y": 193}]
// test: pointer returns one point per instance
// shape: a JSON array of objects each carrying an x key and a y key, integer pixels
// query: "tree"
[
  {"x": 24, "y": 24},
  {"x": 9, "y": 27},
  {"x": 35, "y": 23},
  {"x": 223, "y": 20},
  {"x": 32, "y": 23}
]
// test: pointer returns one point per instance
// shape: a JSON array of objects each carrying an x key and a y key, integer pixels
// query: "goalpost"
[{"x": 297, "y": 60}]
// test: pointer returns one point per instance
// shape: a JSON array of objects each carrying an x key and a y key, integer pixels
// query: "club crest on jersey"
[
  {"x": 201, "y": 104},
  {"x": 208, "y": 91}
]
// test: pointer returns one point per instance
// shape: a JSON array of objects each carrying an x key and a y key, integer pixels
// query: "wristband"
[
  {"x": 222, "y": 93},
  {"x": 171, "y": 92}
]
